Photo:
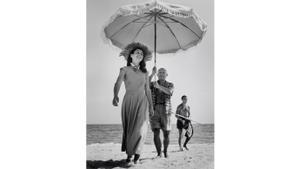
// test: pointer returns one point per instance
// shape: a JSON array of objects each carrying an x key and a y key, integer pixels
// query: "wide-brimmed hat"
[{"x": 136, "y": 45}]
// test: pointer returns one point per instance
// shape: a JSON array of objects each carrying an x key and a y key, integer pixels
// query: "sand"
[{"x": 199, "y": 156}]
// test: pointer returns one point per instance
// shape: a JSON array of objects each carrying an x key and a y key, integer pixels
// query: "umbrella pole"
[{"x": 155, "y": 40}]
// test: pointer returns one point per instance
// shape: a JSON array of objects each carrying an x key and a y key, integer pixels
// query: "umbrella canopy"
[{"x": 163, "y": 27}]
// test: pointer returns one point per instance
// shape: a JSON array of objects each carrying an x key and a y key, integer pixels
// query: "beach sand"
[{"x": 110, "y": 156}]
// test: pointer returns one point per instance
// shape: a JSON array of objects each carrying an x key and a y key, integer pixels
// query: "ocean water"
[{"x": 112, "y": 133}]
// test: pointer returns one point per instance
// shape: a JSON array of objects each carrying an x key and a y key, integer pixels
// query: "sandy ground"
[{"x": 199, "y": 156}]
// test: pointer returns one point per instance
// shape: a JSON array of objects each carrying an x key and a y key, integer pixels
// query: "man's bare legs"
[
  {"x": 166, "y": 142},
  {"x": 179, "y": 139},
  {"x": 158, "y": 144},
  {"x": 157, "y": 141}
]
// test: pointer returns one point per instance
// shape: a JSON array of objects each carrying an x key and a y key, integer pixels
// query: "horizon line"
[{"x": 121, "y": 123}]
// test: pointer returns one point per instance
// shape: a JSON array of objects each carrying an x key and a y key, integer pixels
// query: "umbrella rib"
[
  {"x": 127, "y": 25},
  {"x": 142, "y": 28},
  {"x": 170, "y": 30},
  {"x": 182, "y": 25}
]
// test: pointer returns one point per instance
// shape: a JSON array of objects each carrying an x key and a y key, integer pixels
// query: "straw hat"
[{"x": 136, "y": 45}]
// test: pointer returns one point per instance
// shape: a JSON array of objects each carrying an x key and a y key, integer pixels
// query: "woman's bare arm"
[{"x": 117, "y": 86}]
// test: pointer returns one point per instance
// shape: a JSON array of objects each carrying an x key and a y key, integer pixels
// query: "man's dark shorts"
[
  {"x": 161, "y": 119},
  {"x": 183, "y": 125}
]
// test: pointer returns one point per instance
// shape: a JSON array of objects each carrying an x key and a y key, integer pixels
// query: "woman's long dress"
[{"x": 134, "y": 111}]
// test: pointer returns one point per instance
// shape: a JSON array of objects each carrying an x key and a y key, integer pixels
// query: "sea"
[{"x": 112, "y": 133}]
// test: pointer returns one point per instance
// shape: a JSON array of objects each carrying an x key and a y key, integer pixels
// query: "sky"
[{"x": 191, "y": 71}]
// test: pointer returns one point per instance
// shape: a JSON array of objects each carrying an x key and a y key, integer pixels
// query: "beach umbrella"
[{"x": 163, "y": 27}]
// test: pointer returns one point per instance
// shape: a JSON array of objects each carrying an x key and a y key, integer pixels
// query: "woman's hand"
[
  {"x": 115, "y": 101},
  {"x": 151, "y": 111}
]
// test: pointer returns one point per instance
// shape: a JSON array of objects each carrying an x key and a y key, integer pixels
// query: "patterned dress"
[{"x": 135, "y": 112}]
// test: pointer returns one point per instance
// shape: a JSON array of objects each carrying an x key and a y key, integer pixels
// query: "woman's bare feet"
[
  {"x": 128, "y": 159},
  {"x": 185, "y": 147},
  {"x": 136, "y": 158}
]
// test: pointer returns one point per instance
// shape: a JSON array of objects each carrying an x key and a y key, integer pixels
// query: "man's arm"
[
  {"x": 189, "y": 113},
  {"x": 154, "y": 70},
  {"x": 177, "y": 112},
  {"x": 150, "y": 77},
  {"x": 149, "y": 96},
  {"x": 166, "y": 90}
]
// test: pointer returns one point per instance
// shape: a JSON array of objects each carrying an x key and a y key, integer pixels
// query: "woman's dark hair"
[
  {"x": 184, "y": 96},
  {"x": 142, "y": 63}
]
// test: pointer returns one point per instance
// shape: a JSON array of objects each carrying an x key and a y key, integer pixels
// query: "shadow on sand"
[
  {"x": 109, "y": 164},
  {"x": 106, "y": 164}
]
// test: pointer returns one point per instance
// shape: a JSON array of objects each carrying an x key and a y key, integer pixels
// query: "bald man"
[{"x": 162, "y": 91}]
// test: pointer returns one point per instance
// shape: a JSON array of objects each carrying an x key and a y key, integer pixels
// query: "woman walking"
[{"x": 137, "y": 101}]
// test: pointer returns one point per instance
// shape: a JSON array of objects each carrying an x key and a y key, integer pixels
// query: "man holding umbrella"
[{"x": 162, "y": 91}]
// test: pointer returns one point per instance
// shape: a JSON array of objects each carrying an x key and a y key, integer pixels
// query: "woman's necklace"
[{"x": 134, "y": 67}]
